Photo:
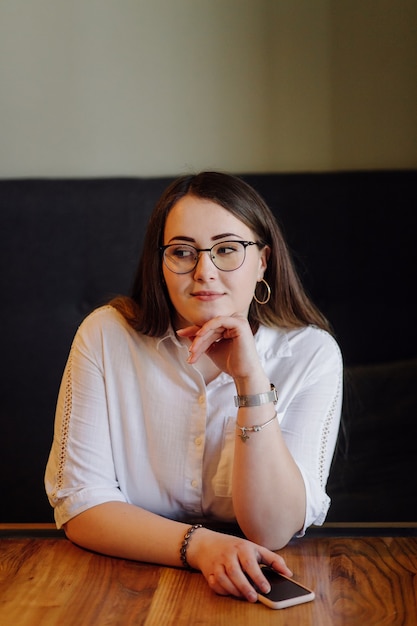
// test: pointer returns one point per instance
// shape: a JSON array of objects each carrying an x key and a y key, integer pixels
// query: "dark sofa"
[{"x": 67, "y": 246}]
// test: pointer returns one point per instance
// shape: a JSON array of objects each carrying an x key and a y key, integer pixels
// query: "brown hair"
[{"x": 149, "y": 309}]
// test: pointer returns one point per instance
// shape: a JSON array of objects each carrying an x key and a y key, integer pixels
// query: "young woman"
[{"x": 212, "y": 394}]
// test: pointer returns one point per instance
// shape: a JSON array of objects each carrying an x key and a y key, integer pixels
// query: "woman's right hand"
[{"x": 225, "y": 559}]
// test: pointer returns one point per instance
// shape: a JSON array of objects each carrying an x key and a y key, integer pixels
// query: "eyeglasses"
[{"x": 227, "y": 256}]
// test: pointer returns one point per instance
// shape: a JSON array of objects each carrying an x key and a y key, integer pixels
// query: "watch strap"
[{"x": 257, "y": 399}]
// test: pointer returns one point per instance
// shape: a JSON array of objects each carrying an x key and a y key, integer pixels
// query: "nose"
[{"x": 205, "y": 267}]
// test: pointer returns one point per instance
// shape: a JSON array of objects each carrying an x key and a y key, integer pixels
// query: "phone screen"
[
  {"x": 282, "y": 588},
  {"x": 284, "y": 592}
]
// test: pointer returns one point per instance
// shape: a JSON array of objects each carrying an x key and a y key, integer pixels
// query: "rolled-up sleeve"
[
  {"x": 311, "y": 420},
  {"x": 80, "y": 470}
]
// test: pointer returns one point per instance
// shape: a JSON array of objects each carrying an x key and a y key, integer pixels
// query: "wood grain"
[{"x": 359, "y": 581}]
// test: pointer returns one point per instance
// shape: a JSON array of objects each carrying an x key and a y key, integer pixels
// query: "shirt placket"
[{"x": 194, "y": 462}]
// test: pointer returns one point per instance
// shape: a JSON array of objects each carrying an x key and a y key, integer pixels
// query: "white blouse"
[{"x": 136, "y": 423}]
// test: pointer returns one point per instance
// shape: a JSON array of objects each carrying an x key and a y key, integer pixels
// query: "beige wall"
[
  {"x": 374, "y": 84},
  {"x": 153, "y": 87}
]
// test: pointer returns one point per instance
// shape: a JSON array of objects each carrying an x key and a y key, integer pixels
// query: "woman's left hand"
[{"x": 228, "y": 341}]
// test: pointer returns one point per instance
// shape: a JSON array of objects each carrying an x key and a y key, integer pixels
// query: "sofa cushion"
[{"x": 374, "y": 473}]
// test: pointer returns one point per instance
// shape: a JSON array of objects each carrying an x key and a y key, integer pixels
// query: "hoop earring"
[{"x": 268, "y": 295}]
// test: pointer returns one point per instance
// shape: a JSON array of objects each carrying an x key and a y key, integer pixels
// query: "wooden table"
[{"x": 360, "y": 579}]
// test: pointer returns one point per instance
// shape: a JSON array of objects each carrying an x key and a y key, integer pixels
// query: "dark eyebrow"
[
  {"x": 224, "y": 235},
  {"x": 215, "y": 238}
]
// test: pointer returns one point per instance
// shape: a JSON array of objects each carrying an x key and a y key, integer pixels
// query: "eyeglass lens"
[{"x": 226, "y": 256}]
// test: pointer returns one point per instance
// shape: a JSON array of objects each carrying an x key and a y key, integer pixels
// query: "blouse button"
[
  {"x": 194, "y": 483},
  {"x": 198, "y": 441}
]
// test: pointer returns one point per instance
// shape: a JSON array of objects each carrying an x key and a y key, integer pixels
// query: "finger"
[
  {"x": 212, "y": 331},
  {"x": 189, "y": 331},
  {"x": 242, "y": 583},
  {"x": 198, "y": 346},
  {"x": 215, "y": 586},
  {"x": 221, "y": 584},
  {"x": 202, "y": 344},
  {"x": 277, "y": 563},
  {"x": 232, "y": 324},
  {"x": 253, "y": 574}
]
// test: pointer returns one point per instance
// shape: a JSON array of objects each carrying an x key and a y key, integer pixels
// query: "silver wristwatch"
[{"x": 258, "y": 398}]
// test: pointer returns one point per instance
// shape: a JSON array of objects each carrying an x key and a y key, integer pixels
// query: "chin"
[
  {"x": 195, "y": 319},
  {"x": 200, "y": 318},
  {"x": 200, "y": 315}
]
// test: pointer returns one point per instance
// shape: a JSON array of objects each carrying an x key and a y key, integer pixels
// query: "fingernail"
[
  {"x": 252, "y": 596},
  {"x": 266, "y": 587}
]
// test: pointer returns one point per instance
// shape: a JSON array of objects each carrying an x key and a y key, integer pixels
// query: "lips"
[{"x": 206, "y": 295}]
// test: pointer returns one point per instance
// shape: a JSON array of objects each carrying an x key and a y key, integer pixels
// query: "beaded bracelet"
[{"x": 184, "y": 546}]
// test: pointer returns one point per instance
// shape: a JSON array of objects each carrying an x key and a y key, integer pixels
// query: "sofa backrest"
[{"x": 67, "y": 246}]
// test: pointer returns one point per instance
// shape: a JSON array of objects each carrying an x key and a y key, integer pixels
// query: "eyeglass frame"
[{"x": 245, "y": 244}]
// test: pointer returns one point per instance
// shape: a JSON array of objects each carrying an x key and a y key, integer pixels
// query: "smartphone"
[{"x": 284, "y": 591}]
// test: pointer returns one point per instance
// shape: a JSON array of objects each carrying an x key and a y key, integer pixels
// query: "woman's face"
[{"x": 206, "y": 291}]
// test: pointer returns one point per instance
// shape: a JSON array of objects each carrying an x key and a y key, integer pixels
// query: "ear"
[{"x": 263, "y": 261}]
